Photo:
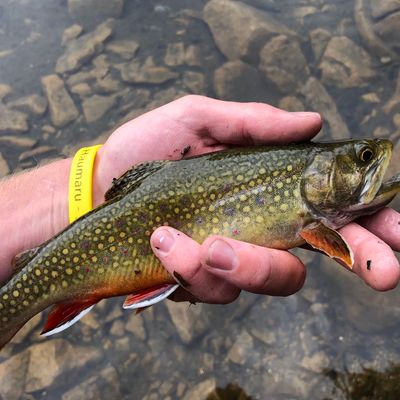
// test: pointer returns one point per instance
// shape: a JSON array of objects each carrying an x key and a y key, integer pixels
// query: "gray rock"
[
  {"x": 84, "y": 9},
  {"x": 319, "y": 39},
  {"x": 62, "y": 107},
  {"x": 71, "y": 33},
  {"x": 345, "y": 64},
  {"x": 239, "y": 29},
  {"x": 12, "y": 120},
  {"x": 241, "y": 349},
  {"x": 58, "y": 356},
  {"x": 12, "y": 376},
  {"x": 320, "y": 100},
  {"x": 194, "y": 81},
  {"x": 236, "y": 80},
  {"x": 108, "y": 84},
  {"x": 5, "y": 90},
  {"x": 18, "y": 141},
  {"x": 96, "y": 106},
  {"x": 136, "y": 326},
  {"x": 283, "y": 63},
  {"x": 200, "y": 390},
  {"x": 126, "y": 49},
  {"x": 190, "y": 321},
  {"x": 79, "y": 77},
  {"x": 81, "y": 89},
  {"x": 291, "y": 103},
  {"x": 4, "y": 168},
  {"x": 84, "y": 48},
  {"x": 147, "y": 73},
  {"x": 382, "y": 38},
  {"x": 34, "y": 103},
  {"x": 193, "y": 56},
  {"x": 175, "y": 54},
  {"x": 318, "y": 362}
]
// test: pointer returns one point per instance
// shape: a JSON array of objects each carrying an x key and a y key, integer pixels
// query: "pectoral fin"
[
  {"x": 148, "y": 297},
  {"x": 63, "y": 315},
  {"x": 329, "y": 241}
]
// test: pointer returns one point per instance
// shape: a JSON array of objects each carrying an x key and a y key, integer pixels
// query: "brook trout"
[{"x": 275, "y": 196}]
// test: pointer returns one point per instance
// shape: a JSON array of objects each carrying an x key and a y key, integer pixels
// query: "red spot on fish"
[
  {"x": 87, "y": 269},
  {"x": 235, "y": 232}
]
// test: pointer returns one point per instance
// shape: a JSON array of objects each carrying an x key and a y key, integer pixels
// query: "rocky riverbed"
[{"x": 69, "y": 76}]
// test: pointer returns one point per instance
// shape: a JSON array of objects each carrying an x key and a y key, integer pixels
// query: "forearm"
[{"x": 33, "y": 208}]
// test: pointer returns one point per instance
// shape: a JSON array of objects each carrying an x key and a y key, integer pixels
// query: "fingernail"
[
  {"x": 306, "y": 114},
  {"x": 221, "y": 256},
  {"x": 163, "y": 241}
]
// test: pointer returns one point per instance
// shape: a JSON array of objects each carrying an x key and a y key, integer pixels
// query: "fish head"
[{"x": 345, "y": 177}]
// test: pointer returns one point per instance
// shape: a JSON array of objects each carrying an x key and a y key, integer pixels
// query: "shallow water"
[{"x": 339, "y": 58}]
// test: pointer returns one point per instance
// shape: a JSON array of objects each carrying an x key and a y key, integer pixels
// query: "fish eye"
[{"x": 366, "y": 154}]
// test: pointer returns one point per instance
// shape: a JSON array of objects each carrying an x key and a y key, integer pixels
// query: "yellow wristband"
[{"x": 80, "y": 182}]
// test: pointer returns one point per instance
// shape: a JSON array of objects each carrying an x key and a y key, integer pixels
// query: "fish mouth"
[{"x": 373, "y": 181}]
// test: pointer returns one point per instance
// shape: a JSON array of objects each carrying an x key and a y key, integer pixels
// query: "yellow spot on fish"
[
  {"x": 211, "y": 178},
  {"x": 140, "y": 240},
  {"x": 262, "y": 171},
  {"x": 188, "y": 216},
  {"x": 65, "y": 251},
  {"x": 15, "y": 293},
  {"x": 69, "y": 271},
  {"x": 296, "y": 193},
  {"x": 94, "y": 259},
  {"x": 242, "y": 197},
  {"x": 112, "y": 248},
  {"x": 211, "y": 208},
  {"x": 259, "y": 218},
  {"x": 122, "y": 234},
  {"x": 26, "y": 290},
  {"x": 202, "y": 232},
  {"x": 277, "y": 198},
  {"x": 100, "y": 270},
  {"x": 215, "y": 220},
  {"x": 75, "y": 259},
  {"x": 38, "y": 272},
  {"x": 108, "y": 226},
  {"x": 200, "y": 189},
  {"x": 271, "y": 209},
  {"x": 279, "y": 185},
  {"x": 288, "y": 180},
  {"x": 176, "y": 210},
  {"x": 54, "y": 274},
  {"x": 286, "y": 193},
  {"x": 246, "y": 220},
  {"x": 158, "y": 219},
  {"x": 284, "y": 207},
  {"x": 24, "y": 277},
  {"x": 47, "y": 263},
  {"x": 289, "y": 168},
  {"x": 212, "y": 196},
  {"x": 100, "y": 246},
  {"x": 52, "y": 287},
  {"x": 64, "y": 284},
  {"x": 25, "y": 303},
  {"x": 19, "y": 286},
  {"x": 130, "y": 240},
  {"x": 275, "y": 173},
  {"x": 246, "y": 209},
  {"x": 111, "y": 239},
  {"x": 215, "y": 230},
  {"x": 171, "y": 192},
  {"x": 240, "y": 178},
  {"x": 73, "y": 245},
  {"x": 200, "y": 202}
]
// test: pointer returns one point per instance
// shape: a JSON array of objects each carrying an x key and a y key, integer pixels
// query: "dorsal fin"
[{"x": 132, "y": 178}]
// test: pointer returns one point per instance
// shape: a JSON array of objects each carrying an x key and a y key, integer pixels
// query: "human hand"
[{"x": 209, "y": 125}]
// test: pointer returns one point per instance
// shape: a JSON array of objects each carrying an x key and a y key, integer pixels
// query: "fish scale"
[{"x": 256, "y": 194}]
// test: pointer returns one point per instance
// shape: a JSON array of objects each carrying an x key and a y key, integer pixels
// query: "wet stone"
[
  {"x": 12, "y": 376},
  {"x": 291, "y": 103},
  {"x": 84, "y": 48},
  {"x": 58, "y": 356},
  {"x": 320, "y": 100},
  {"x": 117, "y": 328},
  {"x": 5, "y": 90},
  {"x": 62, "y": 107},
  {"x": 317, "y": 363},
  {"x": 175, "y": 54},
  {"x": 4, "y": 168},
  {"x": 193, "y": 56},
  {"x": 238, "y": 29},
  {"x": 190, "y": 322},
  {"x": 108, "y": 84},
  {"x": 236, "y": 80},
  {"x": 136, "y": 326},
  {"x": 194, "y": 81},
  {"x": 83, "y": 9},
  {"x": 241, "y": 349},
  {"x": 345, "y": 64},
  {"x": 81, "y": 89},
  {"x": 201, "y": 390},
  {"x": 18, "y": 141},
  {"x": 319, "y": 40},
  {"x": 34, "y": 103},
  {"x": 79, "y": 77},
  {"x": 13, "y": 120},
  {"x": 96, "y": 106},
  {"x": 283, "y": 63},
  {"x": 126, "y": 49},
  {"x": 71, "y": 33},
  {"x": 147, "y": 73}
]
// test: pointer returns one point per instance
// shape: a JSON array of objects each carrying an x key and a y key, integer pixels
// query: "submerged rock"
[
  {"x": 239, "y": 29},
  {"x": 126, "y": 49},
  {"x": 71, "y": 33},
  {"x": 34, "y": 103},
  {"x": 283, "y": 63},
  {"x": 320, "y": 100},
  {"x": 5, "y": 90},
  {"x": 175, "y": 54},
  {"x": 238, "y": 81},
  {"x": 201, "y": 390},
  {"x": 62, "y": 107},
  {"x": 96, "y": 106},
  {"x": 4, "y": 168},
  {"x": 345, "y": 64},
  {"x": 87, "y": 9},
  {"x": 12, "y": 120},
  {"x": 84, "y": 48},
  {"x": 194, "y": 81}
]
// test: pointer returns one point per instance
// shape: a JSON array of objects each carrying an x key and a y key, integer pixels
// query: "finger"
[
  {"x": 180, "y": 255},
  {"x": 374, "y": 260},
  {"x": 386, "y": 225},
  {"x": 253, "y": 268},
  {"x": 247, "y": 123}
]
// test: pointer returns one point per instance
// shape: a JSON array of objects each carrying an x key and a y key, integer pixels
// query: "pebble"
[
  {"x": 194, "y": 81},
  {"x": 62, "y": 108},
  {"x": 96, "y": 106},
  {"x": 71, "y": 33},
  {"x": 241, "y": 349},
  {"x": 175, "y": 54},
  {"x": 34, "y": 103},
  {"x": 126, "y": 49},
  {"x": 136, "y": 326},
  {"x": 18, "y": 141},
  {"x": 201, "y": 390},
  {"x": 13, "y": 120}
]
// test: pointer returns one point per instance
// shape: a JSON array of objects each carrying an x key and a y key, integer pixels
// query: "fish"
[{"x": 275, "y": 196}]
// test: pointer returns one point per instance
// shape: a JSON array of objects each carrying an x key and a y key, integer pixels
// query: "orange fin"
[
  {"x": 147, "y": 297},
  {"x": 329, "y": 241},
  {"x": 63, "y": 315}
]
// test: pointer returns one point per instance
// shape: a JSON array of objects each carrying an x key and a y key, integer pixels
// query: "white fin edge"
[
  {"x": 153, "y": 300},
  {"x": 69, "y": 323}
]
